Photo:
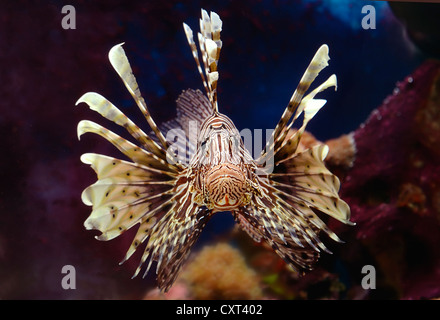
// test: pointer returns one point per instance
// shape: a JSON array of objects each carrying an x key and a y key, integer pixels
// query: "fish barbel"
[{"x": 172, "y": 199}]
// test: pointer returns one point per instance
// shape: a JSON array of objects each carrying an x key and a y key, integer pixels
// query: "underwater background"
[{"x": 387, "y": 97}]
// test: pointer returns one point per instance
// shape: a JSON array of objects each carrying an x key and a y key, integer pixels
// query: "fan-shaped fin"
[
  {"x": 132, "y": 151},
  {"x": 98, "y": 103},
  {"x": 120, "y": 63},
  {"x": 304, "y": 176},
  {"x": 124, "y": 193},
  {"x": 319, "y": 62},
  {"x": 171, "y": 238}
]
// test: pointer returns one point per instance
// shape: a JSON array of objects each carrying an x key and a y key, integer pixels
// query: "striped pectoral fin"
[
  {"x": 124, "y": 171},
  {"x": 289, "y": 227},
  {"x": 124, "y": 193},
  {"x": 298, "y": 188},
  {"x": 330, "y": 205},
  {"x": 132, "y": 181},
  {"x": 171, "y": 238},
  {"x": 290, "y": 239},
  {"x": 309, "y": 164},
  {"x": 116, "y": 208},
  {"x": 169, "y": 229},
  {"x": 105, "y": 192},
  {"x": 271, "y": 217},
  {"x": 306, "y": 215},
  {"x": 310, "y": 160},
  {"x": 305, "y": 177},
  {"x": 305, "y": 204},
  {"x": 312, "y": 109},
  {"x": 299, "y": 257},
  {"x": 100, "y": 104},
  {"x": 247, "y": 222},
  {"x": 120, "y": 63},
  {"x": 286, "y": 146},
  {"x": 318, "y": 63},
  {"x": 145, "y": 226},
  {"x": 132, "y": 151},
  {"x": 186, "y": 234},
  {"x": 115, "y": 219}
]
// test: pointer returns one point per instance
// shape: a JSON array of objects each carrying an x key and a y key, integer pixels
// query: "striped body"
[
  {"x": 170, "y": 198},
  {"x": 223, "y": 167}
]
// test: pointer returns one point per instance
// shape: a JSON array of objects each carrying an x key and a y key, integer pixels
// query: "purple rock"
[{"x": 393, "y": 187}]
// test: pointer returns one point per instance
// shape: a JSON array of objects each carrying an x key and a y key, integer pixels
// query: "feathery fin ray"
[{"x": 120, "y": 63}]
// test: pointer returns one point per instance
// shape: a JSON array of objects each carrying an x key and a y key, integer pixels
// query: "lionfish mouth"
[
  {"x": 228, "y": 185},
  {"x": 171, "y": 200}
]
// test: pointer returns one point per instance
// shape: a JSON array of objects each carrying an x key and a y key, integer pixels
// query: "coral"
[
  {"x": 179, "y": 291},
  {"x": 220, "y": 272},
  {"x": 412, "y": 197},
  {"x": 342, "y": 151},
  {"x": 279, "y": 280},
  {"x": 393, "y": 189},
  {"x": 427, "y": 119}
]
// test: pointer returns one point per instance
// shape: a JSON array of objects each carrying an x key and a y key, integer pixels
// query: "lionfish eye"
[{"x": 204, "y": 143}]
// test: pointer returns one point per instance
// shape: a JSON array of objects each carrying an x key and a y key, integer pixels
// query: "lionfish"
[{"x": 172, "y": 199}]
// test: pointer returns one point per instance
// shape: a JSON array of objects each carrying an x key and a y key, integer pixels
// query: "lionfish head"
[{"x": 224, "y": 167}]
